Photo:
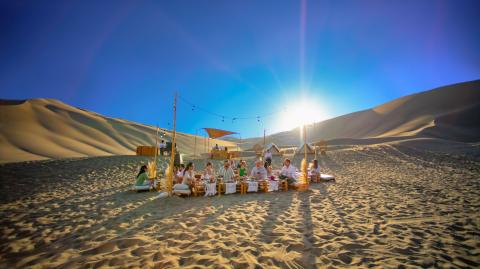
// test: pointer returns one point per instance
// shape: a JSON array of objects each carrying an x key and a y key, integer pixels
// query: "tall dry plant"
[
  {"x": 152, "y": 169},
  {"x": 304, "y": 176}
]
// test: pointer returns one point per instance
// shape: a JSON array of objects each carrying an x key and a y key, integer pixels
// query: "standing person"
[
  {"x": 288, "y": 171},
  {"x": 315, "y": 171},
  {"x": 163, "y": 146},
  {"x": 226, "y": 172},
  {"x": 268, "y": 157},
  {"x": 259, "y": 172}
]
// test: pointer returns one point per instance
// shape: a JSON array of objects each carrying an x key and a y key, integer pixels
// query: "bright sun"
[{"x": 300, "y": 113}]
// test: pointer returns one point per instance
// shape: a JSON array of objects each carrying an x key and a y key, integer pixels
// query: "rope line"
[{"x": 224, "y": 117}]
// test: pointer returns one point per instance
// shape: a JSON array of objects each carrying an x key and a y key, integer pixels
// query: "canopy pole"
[
  {"x": 156, "y": 147},
  {"x": 264, "y": 139},
  {"x": 305, "y": 141},
  {"x": 172, "y": 157},
  {"x": 195, "y": 145}
]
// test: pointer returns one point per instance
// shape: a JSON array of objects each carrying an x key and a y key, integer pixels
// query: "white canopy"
[
  {"x": 301, "y": 149},
  {"x": 273, "y": 149}
]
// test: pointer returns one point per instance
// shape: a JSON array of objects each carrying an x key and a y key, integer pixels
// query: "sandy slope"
[
  {"x": 47, "y": 128},
  {"x": 392, "y": 205},
  {"x": 448, "y": 112}
]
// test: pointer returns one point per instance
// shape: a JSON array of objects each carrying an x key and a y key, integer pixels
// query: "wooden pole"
[
  {"x": 264, "y": 139},
  {"x": 156, "y": 157},
  {"x": 305, "y": 141},
  {"x": 305, "y": 154},
  {"x": 172, "y": 157},
  {"x": 156, "y": 148},
  {"x": 195, "y": 145},
  {"x": 156, "y": 143}
]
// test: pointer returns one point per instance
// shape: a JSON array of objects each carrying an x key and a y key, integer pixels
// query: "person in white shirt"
[
  {"x": 268, "y": 157},
  {"x": 226, "y": 172},
  {"x": 179, "y": 174},
  {"x": 315, "y": 171},
  {"x": 209, "y": 173},
  {"x": 259, "y": 172},
  {"x": 162, "y": 146},
  {"x": 187, "y": 179},
  {"x": 288, "y": 171}
]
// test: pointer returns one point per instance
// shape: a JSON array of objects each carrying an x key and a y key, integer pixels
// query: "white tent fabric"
[
  {"x": 273, "y": 149},
  {"x": 301, "y": 149}
]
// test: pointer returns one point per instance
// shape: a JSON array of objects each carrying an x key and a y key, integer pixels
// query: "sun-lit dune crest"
[
  {"x": 392, "y": 105},
  {"x": 47, "y": 128},
  {"x": 421, "y": 114}
]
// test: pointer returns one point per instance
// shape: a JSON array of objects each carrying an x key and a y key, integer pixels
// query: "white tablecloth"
[
  {"x": 252, "y": 186},
  {"x": 210, "y": 189},
  {"x": 230, "y": 188},
  {"x": 272, "y": 185},
  {"x": 326, "y": 177}
]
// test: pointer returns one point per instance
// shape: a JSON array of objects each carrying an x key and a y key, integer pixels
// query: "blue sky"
[{"x": 321, "y": 59}]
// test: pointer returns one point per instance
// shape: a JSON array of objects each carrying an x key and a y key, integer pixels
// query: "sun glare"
[{"x": 300, "y": 113}]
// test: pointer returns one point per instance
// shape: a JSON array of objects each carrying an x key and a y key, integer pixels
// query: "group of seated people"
[{"x": 185, "y": 175}]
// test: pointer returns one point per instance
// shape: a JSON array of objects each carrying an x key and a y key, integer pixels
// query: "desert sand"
[
  {"x": 407, "y": 193},
  {"x": 393, "y": 205}
]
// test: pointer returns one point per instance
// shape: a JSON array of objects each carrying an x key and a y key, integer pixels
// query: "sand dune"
[
  {"x": 449, "y": 112},
  {"x": 47, "y": 128}
]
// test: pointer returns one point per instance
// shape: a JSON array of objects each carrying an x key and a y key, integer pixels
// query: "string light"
[{"x": 223, "y": 117}]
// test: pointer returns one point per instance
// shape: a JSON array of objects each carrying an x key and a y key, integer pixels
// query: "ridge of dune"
[
  {"x": 47, "y": 128},
  {"x": 42, "y": 128},
  {"x": 419, "y": 114}
]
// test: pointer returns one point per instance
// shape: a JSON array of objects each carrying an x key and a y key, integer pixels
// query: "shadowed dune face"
[
  {"x": 45, "y": 128},
  {"x": 391, "y": 205},
  {"x": 11, "y": 102}
]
